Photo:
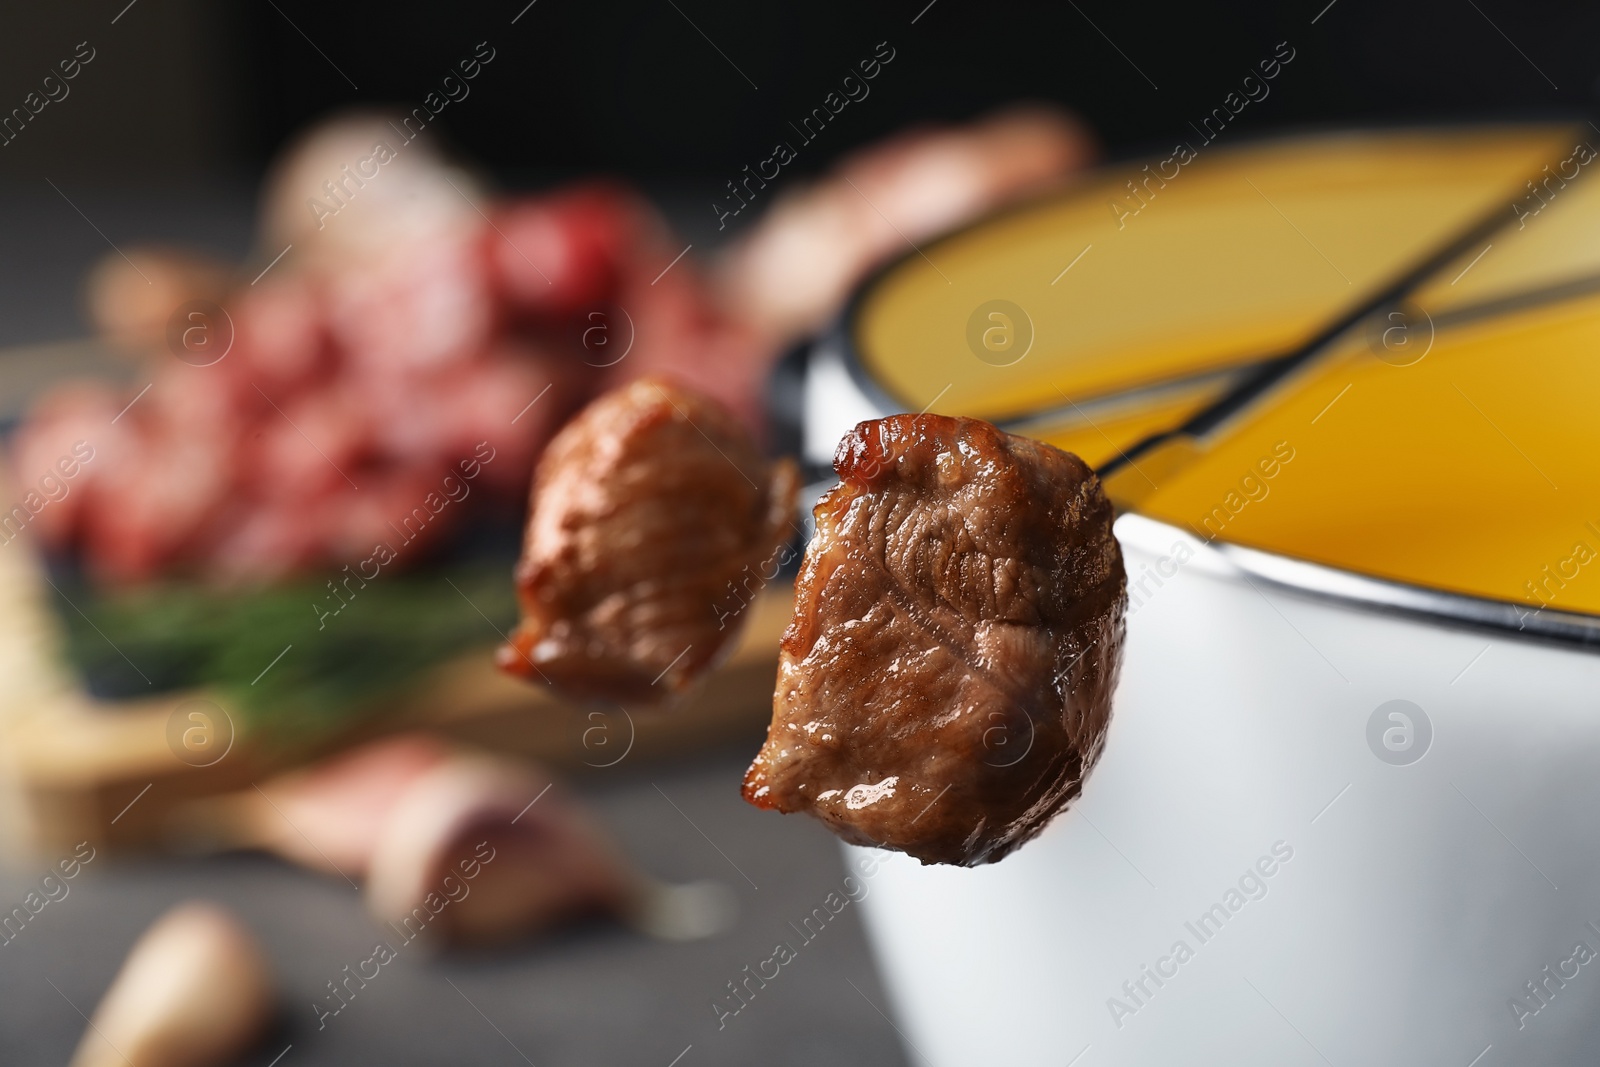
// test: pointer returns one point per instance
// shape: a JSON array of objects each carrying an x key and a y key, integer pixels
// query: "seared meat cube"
[
  {"x": 645, "y": 508},
  {"x": 946, "y": 682}
]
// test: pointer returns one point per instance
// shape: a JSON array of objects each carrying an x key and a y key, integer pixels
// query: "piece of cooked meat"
[
  {"x": 646, "y": 509},
  {"x": 946, "y": 682}
]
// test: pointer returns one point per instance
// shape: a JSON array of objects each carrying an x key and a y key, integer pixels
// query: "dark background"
[
  {"x": 165, "y": 136},
  {"x": 184, "y": 87}
]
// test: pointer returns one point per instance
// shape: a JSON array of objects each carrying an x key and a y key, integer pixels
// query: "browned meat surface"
[
  {"x": 646, "y": 509},
  {"x": 946, "y": 682}
]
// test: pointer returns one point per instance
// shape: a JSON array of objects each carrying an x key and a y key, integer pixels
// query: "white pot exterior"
[{"x": 1413, "y": 910}]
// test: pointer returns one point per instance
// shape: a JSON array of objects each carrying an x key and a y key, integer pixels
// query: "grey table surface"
[{"x": 598, "y": 994}]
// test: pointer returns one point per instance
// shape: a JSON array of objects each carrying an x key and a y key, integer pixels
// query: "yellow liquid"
[
  {"x": 1242, "y": 255},
  {"x": 1471, "y": 470}
]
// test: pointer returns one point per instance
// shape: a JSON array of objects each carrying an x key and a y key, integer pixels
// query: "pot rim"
[{"x": 1383, "y": 595}]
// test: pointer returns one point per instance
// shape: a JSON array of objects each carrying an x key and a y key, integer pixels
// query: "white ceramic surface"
[{"x": 1419, "y": 899}]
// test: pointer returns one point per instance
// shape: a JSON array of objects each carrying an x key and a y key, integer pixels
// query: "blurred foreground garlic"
[
  {"x": 195, "y": 991},
  {"x": 482, "y": 851},
  {"x": 325, "y": 817},
  {"x": 457, "y": 848}
]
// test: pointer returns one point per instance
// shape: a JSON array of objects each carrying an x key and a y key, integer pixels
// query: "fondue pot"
[{"x": 1345, "y": 391}]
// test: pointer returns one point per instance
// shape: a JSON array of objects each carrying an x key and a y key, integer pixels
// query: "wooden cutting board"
[{"x": 75, "y": 768}]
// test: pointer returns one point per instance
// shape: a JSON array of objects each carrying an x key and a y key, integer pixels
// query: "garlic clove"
[
  {"x": 194, "y": 991},
  {"x": 484, "y": 851},
  {"x": 325, "y": 817}
]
